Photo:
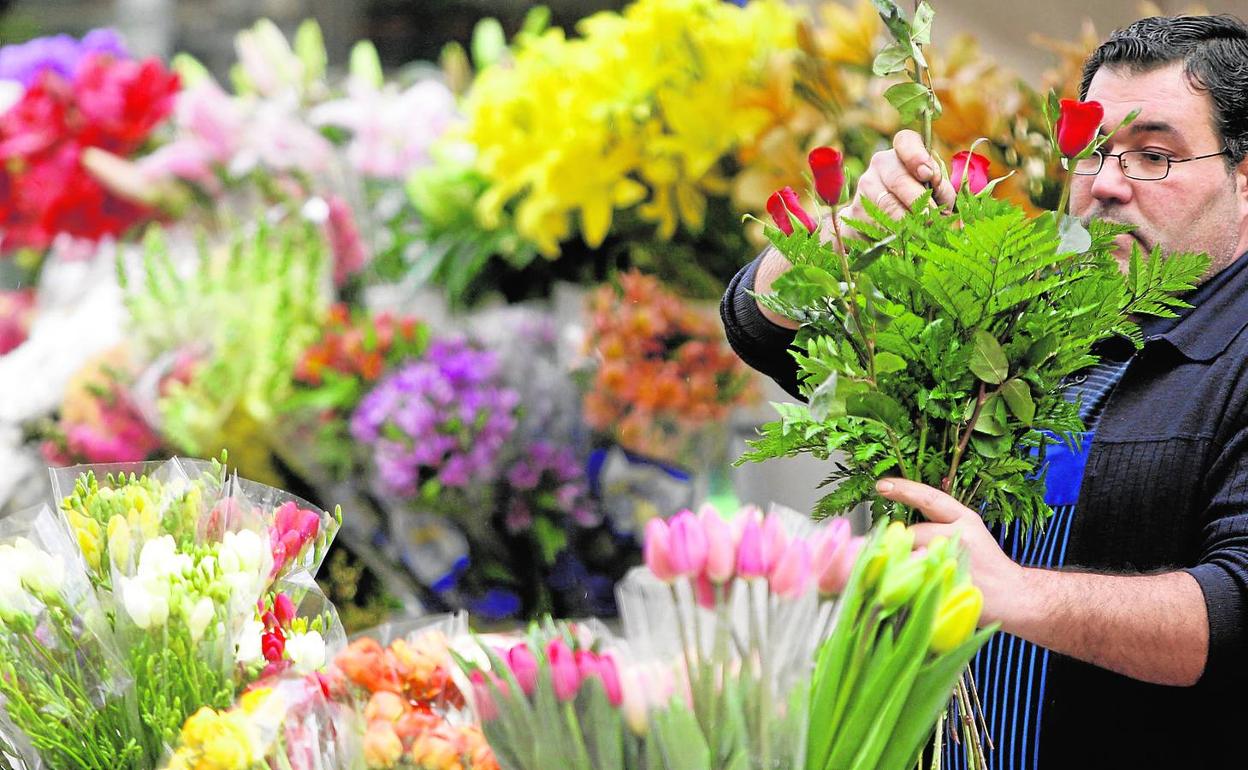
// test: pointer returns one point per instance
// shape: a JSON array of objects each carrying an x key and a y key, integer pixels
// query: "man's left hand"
[{"x": 1000, "y": 579}]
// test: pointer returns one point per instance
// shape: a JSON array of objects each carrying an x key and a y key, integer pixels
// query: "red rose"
[
  {"x": 977, "y": 178},
  {"x": 779, "y": 214},
  {"x": 827, "y": 166},
  {"x": 1077, "y": 125}
]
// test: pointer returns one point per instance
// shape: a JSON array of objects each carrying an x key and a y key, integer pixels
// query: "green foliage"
[
  {"x": 940, "y": 355},
  {"x": 242, "y": 313}
]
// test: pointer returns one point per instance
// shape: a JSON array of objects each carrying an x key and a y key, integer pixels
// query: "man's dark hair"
[{"x": 1214, "y": 52}]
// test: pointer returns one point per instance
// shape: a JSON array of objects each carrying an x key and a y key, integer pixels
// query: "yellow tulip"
[{"x": 957, "y": 617}]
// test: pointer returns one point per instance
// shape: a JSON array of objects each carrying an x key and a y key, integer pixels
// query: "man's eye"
[{"x": 1152, "y": 157}]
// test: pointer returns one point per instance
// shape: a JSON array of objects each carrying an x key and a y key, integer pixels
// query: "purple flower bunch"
[
  {"x": 547, "y": 479},
  {"x": 25, "y": 62},
  {"x": 442, "y": 417}
]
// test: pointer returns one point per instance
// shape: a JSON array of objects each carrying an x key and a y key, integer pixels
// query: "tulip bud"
[
  {"x": 564, "y": 674},
  {"x": 900, "y": 582},
  {"x": 1077, "y": 125},
  {"x": 750, "y": 549},
  {"x": 523, "y": 665},
  {"x": 483, "y": 696},
  {"x": 827, "y": 166},
  {"x": 657, "y": 550},
  {"x": 790, "y": 574},
  {"x": 720, "y": 548},
  {"x": 972, "y": 168},
  {"x": 957, "y": 617},
  {"x": 687, "y": 544}
]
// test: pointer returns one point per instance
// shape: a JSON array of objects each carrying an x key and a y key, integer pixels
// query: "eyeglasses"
[{"x": 1144, "y": 165}]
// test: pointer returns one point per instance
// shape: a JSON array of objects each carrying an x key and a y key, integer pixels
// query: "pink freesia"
[
  {"x": 657, "y": 550},
  {"x": 720, "y": 548},
  {"x": 283, "y": 609},
  {"x": 687, "y": 544},
  {"x": 564, "y": 674},
  {"x": 523, "y": 665},
  {"x": 790, "y": 574}
]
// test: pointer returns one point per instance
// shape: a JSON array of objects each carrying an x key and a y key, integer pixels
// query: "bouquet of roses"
[
  {"x": 663, "y": 379},
  {"x": 936, "y": 346}
]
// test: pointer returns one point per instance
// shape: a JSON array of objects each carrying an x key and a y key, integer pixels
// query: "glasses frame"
[{"x": 1101, "y": 156}]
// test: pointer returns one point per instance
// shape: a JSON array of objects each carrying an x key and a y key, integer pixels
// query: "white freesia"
[
  {"x": 146, "y": 601},
  {"x": 160, "y": 559},
  {"x": 41, "y": 572},
  {"x": 306, "y": 651},
  {"x": 199, "y": 618},
  {"x": 13, "y": 597},
  {"x": 248, "y": 650}
]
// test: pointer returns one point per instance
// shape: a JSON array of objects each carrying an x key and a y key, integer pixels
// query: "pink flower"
[
  {"x": 523, "y": 665},
  {"x": 17, "y": 310},
  {"x": 704, "y": 591},
  {"x": 687, "y": 544},
  {"x": 609, "y": 673},
  {"x": 657, "y": 550},
  {"x": 831, "y": 539},
  {"x": 720, "y": 548},
  {"x": 483, "y": 697},
  {"x": 750, "y": 561},
  {"x": 791, "y": 573},
  {"x": 350, "y": 253},
  {"x": 564, "y": 674},
  {"x": 835, "y": 573},
  {"x": 774, "y": 542},
  {"x": 273, "y": 644},
  {"x": 283, "y": 609}
]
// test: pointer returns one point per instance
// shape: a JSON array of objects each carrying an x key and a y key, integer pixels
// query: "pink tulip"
[
  {"x": 657, "y": 550},
  {"x": 563, "y": 671},
  {"x": 833, "y": 579},
  {"x": 523, "y": 665},
  {"x": 775, "y": 541},
  {"x": 704, "y": 591},
  {"x": 487, "y": 709},
  {"x": 609, "y": 673},
  {"x": 791, "y": 573},
  {"x": 720, "y": 548},
  {"x": 687, "y": 544},
  {"x": 830, "y": 540},
  {"x": 750, "y": 549}
]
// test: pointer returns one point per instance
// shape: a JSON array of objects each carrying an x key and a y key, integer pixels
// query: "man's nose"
[{"x": 1110, "y": 184}]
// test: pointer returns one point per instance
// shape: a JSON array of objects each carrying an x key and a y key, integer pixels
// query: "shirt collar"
[{"x": 1218, "y": 313}]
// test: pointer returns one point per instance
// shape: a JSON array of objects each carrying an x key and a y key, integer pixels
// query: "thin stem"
[
  {"x": 947, "y": 484},
  {"x": 851, "y": 302}
]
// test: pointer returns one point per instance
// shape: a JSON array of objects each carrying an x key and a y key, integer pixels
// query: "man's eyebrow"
[{"x": 1151, "y": 127}]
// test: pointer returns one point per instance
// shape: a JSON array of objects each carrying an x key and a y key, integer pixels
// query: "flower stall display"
[
  {"x": 663, "y": 381},
  {"x": 135, "y": 603}
]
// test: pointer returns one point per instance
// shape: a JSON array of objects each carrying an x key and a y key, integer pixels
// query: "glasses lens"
[
  {"x": 1145, "y": 165},
  {"x": 1089, "y": 165}
]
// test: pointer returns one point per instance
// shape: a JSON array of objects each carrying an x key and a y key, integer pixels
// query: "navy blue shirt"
[{"x": 1162, "y": 485}]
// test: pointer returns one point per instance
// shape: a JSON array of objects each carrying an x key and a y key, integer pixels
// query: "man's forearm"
[{"x": 1149, "y": 627}]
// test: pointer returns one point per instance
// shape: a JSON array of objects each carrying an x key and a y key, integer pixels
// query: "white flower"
[
  {"x": 146, "y": 602},
  {"x": 160, "y": 559},
  {"x": 200, "y": 617},
  {"x": 241, "y": 552},
  {"x": 42, "y": 572},
  {"x": 306, "y": 651},
  {"x": 248, "y": 650},
  {"x": 13, "y": 598}
]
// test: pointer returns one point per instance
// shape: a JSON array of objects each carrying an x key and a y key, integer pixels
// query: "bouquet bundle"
[{"x": 149, "y": 594}]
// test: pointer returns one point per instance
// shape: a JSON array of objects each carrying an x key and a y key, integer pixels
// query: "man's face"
[{"x": 1199, "y": 206}]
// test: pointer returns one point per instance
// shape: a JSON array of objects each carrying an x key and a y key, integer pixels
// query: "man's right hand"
[{"x": 893, "y": 181}]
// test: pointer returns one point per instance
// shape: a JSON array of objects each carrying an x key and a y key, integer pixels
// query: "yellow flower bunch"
[
  {"x": 235, "y": 739},
  {"x": 637, "y": 111}
]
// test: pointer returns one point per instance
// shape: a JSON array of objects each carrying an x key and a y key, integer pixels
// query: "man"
[{"x": 1125, "y": 622}]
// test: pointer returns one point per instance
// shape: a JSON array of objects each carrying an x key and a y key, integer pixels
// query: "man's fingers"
[
  {"x": 926, "y": 532},
  {"x": 915, "y": 157},
  {"x": 945, "y": 195},
  {"x": 932, "y": 503}
]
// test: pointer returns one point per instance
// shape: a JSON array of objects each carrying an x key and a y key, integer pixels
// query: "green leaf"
[
  {"x": 806, "y": 284},
  {"x": 910, "y": 99},
  {"x": 887, "y": 363},
  {"x": 988, "y": 361},
  {"x": 891, "y": 59},
  {"x": 894, "y": 19},
  {"x": 1017, "y": 395},
  {"x": 921, "y": 27},
  {"x": 878, "y": 406},
  {"x": 551, "y": 539}
]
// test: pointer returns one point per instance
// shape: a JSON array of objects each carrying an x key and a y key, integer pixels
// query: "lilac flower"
[
  {"x": 548, "y": 477},
  {"x": 440, "y": 417},
  {"x": 25, "y": 62}
]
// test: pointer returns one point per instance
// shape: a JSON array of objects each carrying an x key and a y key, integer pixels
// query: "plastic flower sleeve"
[
  {"x": 295, "y": 628},
  {"x": 62, "y": 679},
  {"x": 299, "y": 532}
]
